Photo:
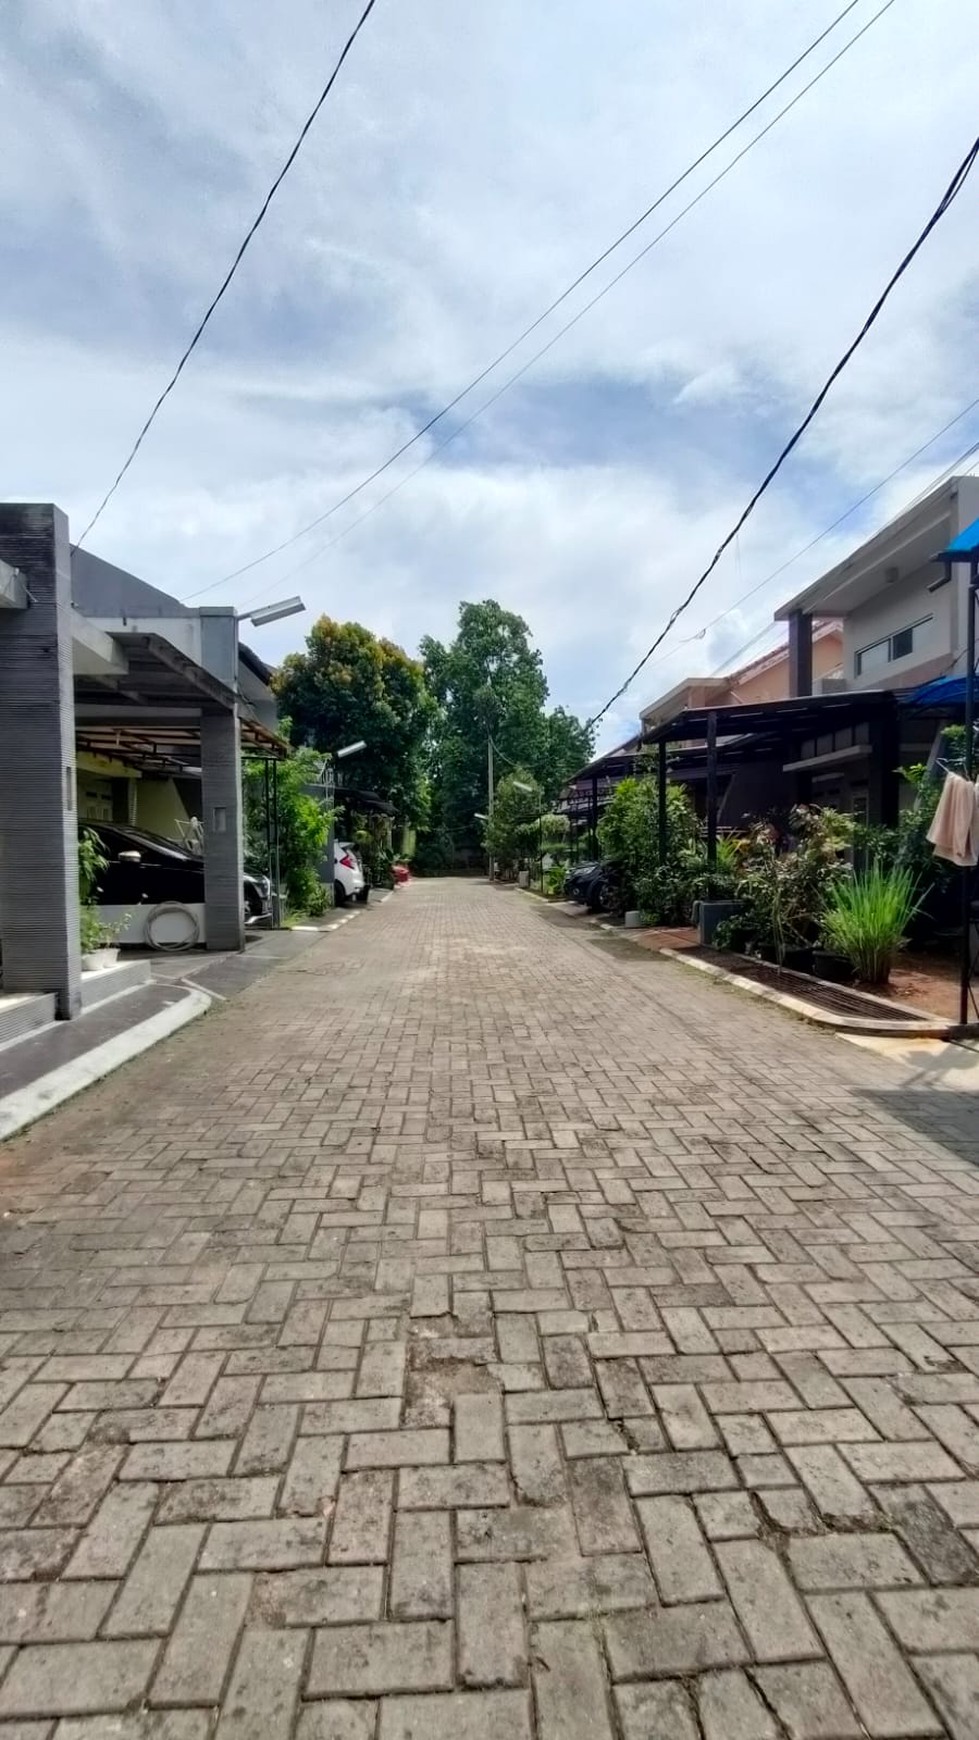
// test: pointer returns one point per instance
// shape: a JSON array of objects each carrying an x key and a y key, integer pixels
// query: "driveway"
[{"x": 480, "y": 1329}]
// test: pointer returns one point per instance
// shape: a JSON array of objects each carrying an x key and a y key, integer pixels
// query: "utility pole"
[{"x": 489, "y": 800}]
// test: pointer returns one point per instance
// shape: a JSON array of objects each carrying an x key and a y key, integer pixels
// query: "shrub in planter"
[
  {"x": 867, "y": 920},
  {"x": 787, "y": 882},
  {"x": 98, "y": 938}
]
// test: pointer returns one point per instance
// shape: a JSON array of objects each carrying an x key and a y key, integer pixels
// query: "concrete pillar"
[
  {"x": 800, "y": 653},
  {"x": 38, "y": 820},
  {"x": 223, "y": 825}
]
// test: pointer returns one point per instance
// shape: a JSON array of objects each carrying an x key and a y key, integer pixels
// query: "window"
[{"x": 899, "y": 645}]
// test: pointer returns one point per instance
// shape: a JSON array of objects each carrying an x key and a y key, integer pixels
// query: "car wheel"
[
  {"x": 339, "y": 894},
  {"x": 363, "y": 896}
]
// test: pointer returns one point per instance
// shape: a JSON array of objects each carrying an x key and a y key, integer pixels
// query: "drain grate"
[{"x": 832, "y": 999}]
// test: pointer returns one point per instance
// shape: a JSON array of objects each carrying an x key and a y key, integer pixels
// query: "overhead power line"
[
  {"x": 736, "y": 603},
  {"x": 952, "y": 191},
  {"x": 525, "y": 367},
  {"x": 636, "y": 224},
  {"x": 232, "y": 269}
]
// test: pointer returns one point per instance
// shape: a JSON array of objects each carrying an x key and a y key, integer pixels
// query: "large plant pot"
[
  {"x": 523, "y": 878},
  {"x": 96, "y": 960},
  {"x": 836, "y": 969},
  {"x": 711, "y": 913}
]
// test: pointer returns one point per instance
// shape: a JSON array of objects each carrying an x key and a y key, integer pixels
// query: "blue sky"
[{"x": 459, "y": 177}]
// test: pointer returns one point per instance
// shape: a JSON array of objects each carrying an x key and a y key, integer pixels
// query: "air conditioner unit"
[{"x": 831, "y": 686}]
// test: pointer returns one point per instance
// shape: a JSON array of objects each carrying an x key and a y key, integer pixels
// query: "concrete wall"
[
  {"x": 38, "y": 819},
  {"x": 893, "y": 608}
]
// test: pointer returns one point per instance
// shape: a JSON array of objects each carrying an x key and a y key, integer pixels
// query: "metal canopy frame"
[
  {"x": 965, "y": 549},
  {"x": 741, "y": 733}
]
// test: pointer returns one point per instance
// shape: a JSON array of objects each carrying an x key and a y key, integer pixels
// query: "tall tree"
[
  {"x": 489, "y": 682},
  {"x": 348, "y": 685},
  {"x": 569, "y": 747}
]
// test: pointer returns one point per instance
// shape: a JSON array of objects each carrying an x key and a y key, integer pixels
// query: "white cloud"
[{"x": 457, "y": 179}]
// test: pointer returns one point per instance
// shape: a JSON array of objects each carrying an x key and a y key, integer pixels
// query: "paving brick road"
[{"x": 483, "y": 1329}]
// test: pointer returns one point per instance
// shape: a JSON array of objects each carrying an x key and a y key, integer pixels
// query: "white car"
[{"x": 349, "y": 882}]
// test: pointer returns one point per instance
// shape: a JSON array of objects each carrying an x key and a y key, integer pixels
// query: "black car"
[
  {"x": 577, "y": 879},
  {"x": 144, "y": 869},
  {"x": 598, "y": 888}
]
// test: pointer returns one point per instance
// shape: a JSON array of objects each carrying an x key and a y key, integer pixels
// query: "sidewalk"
[{"x": 50, "y": 1066}]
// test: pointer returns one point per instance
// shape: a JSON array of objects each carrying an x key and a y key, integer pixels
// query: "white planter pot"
[
  {"x": 633, "y": 920},
  {"x": 523, "y": 878},
  {"x": 98, "y": 959}
]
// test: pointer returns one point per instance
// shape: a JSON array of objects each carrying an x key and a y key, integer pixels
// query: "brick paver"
[{"x": 484, "y": 1330}]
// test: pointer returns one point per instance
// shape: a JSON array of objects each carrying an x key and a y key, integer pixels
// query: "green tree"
[
  {"x": 489, "y": 682},
  {"x": 304, "y": 824},
  {"x": 513, "y": 832},
  {"x": 350, "y": 685},
  {"x": 569, "y": 746}
]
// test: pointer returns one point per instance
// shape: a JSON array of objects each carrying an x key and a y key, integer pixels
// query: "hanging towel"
[{"x": 954, "y": 832}]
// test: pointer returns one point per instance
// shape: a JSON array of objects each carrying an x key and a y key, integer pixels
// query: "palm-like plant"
[{"x": 867, "y": 918}]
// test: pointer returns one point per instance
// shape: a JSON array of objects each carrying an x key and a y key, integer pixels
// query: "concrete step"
[
  {"x": 113, "y": 981},
  {"x": 20, "y": 1015}
]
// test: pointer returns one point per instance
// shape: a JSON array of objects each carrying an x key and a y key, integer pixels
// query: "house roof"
[
  {"x": 798, "y": 714},
  {"x": 905, "y": 544}
]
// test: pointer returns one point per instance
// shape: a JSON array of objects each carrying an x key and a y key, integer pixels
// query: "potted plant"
[
  {"x": 867, "y": 919},
  {"x": 98, "y": 940}
]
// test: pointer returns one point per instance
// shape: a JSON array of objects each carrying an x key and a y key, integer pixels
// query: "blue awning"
[
  {"x": 943, "y": 692},
  {"x": 964, "y": 547}
]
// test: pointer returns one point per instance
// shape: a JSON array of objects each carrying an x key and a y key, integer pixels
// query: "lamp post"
[
  {"x": 260, "y": 618},
  {"x": 339, "y": 755},
  {"x": 965, "y": 549},
  {"x": 532, "y": 791}
]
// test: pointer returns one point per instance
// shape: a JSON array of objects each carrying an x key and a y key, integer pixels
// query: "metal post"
[
  {"x": 276, "y": 883},
  {"x": 968, "y": 872},
  {"x": 268, "y": 820},
  {"x": 594, "y": 815},
  {"x": 711, "y": 798},
  {"x": 540, "y": 848},
  {"x": 661, "y": 800},
  {"x": 490, "y": 793}
]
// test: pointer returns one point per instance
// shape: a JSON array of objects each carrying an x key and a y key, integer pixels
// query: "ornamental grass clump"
[{"x": 867, "y": 919}]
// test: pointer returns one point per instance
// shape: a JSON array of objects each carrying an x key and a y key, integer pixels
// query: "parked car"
[
  {"x": 598, "y": 888},
  {"x": 349, "y": 881},
  {"x": 145, "y": 869},
  {"x": 577, "y": 878}
]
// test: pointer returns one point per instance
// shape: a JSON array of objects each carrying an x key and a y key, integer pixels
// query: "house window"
[{"x": 899, "y": 645}]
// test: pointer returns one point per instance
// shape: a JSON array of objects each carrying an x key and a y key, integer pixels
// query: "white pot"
[
  {"x": 633, "y": 920},
  {"x": 523, "y": 878},
  {"x": 96, "y": 960}
]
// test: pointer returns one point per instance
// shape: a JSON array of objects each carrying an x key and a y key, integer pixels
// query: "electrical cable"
[
  {"x": 236, "y": 262},
  {"x": 568, "y": 291},
  {"x": 951, "y": 193},
  {"x": 936, "y": 481}
]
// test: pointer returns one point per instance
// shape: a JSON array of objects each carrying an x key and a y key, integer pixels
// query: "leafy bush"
[
  {"x": 91, "y": 863},
  {"x": 554, "y": 879},
  {"x": 867, "y": 918},
  {"x": 786, "y": 882},
  {"x": 433, "y": 855},
  {"x": 628, "y": 835},
  {"x": 321, "y": 900},
  {"x": 303, "y": 820}
]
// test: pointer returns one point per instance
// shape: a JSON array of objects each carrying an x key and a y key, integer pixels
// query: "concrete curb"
[
  {"x": 928, "y": 1027},
  {"x": 25, "y": 1105}
]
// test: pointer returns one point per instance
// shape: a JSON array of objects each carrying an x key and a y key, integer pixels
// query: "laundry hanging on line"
[{"x": 954, "y": 831}]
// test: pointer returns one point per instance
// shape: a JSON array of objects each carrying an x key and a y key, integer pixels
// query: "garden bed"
[{"x": 830, "y": 999}]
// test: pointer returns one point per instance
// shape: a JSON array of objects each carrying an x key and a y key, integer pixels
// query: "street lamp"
[
  {"x": 272, "y": 612},
  {"x": 350, "y": 749}
]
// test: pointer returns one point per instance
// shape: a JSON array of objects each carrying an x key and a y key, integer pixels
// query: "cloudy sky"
[{"x": 474, "y": 157}]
